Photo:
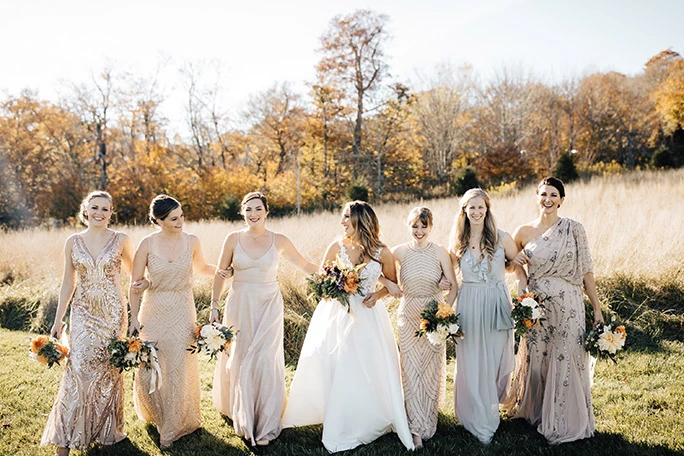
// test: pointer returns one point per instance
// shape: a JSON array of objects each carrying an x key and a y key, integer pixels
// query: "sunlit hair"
[
  {"x": 161, "y": 206},
  {"x": 419, "y": 214},
  {"x": 460, "y": 231},
  {"x": 253, "y": 195},
  {"x": 83, "y": 213},
  {"x": 366, "y": 227},
  {"x": 553, "y": 182}
]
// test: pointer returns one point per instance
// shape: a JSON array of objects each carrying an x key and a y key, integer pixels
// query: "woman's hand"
[
  {"x": 598, "y": 318},
  {"x": 134, "y": 326},
  {"x": 225, "y": 273},
  {"x": 56, "y": 330},
  {"x": 139, "y": 286},
  {"x": 520, "y": 259},
  {"x": 444, "y": 284},
  {"x": 370, "y": 300},
  {"x": 393, "y": 289}
]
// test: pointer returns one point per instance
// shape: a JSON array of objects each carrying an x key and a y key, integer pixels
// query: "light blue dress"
[{"x": 484, "y": 357}]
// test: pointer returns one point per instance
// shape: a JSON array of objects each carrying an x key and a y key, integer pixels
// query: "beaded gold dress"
[
  {"x": 90, "y": 402},
  {"x": 167, "y": 317}
]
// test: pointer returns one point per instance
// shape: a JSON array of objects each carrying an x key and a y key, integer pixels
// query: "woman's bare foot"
[
  {"x": 417, "y": 442},
  {"x": 61, "y": 451},
  {"x": 263, "y": 442}
]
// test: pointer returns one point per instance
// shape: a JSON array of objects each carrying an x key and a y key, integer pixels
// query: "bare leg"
[
  {"x": 61, "y": 451},
  {"x": 417, "y": 442}
]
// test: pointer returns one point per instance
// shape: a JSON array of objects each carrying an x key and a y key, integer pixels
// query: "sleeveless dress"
[
  {"x": 484, "y": 357},
  {"x": 423, "y": 365},
  {"x": 348, "y": 375},
  {"x": 249, "y": 384},
  {"x": 552, "y": 381},
  {"x": 167, "y": 317},
  {"x": 90, "y": 402}
]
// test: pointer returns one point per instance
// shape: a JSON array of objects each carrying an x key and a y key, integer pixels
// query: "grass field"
[{"x": 634, "y": 227}]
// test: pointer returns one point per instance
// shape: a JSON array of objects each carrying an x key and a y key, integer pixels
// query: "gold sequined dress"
[
  {"x": 90, "y": 401},
  {"x": 167, "y": 317}
]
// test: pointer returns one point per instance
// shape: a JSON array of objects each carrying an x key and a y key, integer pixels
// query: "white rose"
[
  {"x": 435, "y": 338},
  {"x": 130, "y": 357},
  {"x": 453, "y": 328},
  {"x": 529, "y": 302},
  {"x": 206, "y": 331},
  {"x": 609, "y": 342},
  {"x": 536, "y": 313}
]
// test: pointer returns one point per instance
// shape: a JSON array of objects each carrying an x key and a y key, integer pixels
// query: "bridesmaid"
[
  {"x": 484, "y": 358},
  {"x": 552, "y": 381},
  {"x": 249, "y": 385},
  {"x": 167, "y": 316},
  {"x": 90, "y": 402},
  {"x": 423, "y": 366}
]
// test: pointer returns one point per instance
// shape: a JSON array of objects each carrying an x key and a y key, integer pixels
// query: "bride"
[{"x": 348, "y": 374}]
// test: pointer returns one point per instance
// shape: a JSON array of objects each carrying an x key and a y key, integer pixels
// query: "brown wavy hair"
[
  {"x": 366, "y": 227},
  {"x": 460, "y": 231},
  {"x": 421, "y": 214}
]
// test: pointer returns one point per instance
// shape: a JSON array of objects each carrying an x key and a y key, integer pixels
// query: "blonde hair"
[
  {"x": 419, "y": 213},
  {"x": 460, "y": 231},
  {"x": 83, "y": 213},
  {"x": 366, "y": 227}
]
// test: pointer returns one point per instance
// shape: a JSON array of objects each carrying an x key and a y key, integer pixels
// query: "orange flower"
[
  {"x": 134, "y": 345},
  {"x": 42, "y": 359},
  {"x": 528, "y": 323},
  {"x": 351, "y": 283},
  {"x": 38, "y": 343},
  {"x": 621, "y": 330},
  {"x": 63, "y": 349},
  {"x": 424, "y": 324},
  {"x": 198, "y": 331},
  {"x": 444, "y": 310}
]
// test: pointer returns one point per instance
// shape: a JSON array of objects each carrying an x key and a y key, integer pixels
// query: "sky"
[{"x": 47, "y": 43}]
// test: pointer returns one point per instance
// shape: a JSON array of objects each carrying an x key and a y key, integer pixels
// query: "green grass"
[{"x": 639, "y": 406}]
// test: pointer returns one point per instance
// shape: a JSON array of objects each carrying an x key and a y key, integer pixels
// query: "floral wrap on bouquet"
[
  {"x": 439, "y": 322},
  {"x": 335, "y": 281},
  {"x": 132, "y": 352}
]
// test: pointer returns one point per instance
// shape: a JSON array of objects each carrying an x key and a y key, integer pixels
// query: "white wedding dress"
[{"x": 348, "y": 375}]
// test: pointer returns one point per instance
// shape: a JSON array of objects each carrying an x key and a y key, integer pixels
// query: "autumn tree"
[{"x": 353, "y": 60}]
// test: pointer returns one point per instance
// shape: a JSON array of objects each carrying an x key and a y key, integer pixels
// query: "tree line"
[{"x": 358, "y": 132}]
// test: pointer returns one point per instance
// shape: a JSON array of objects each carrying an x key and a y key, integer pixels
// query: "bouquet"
[
  {"x": 47, "y": 350},
  {"x": 439, "y": 323},
  {"x": 211, "y": 339},
  {"x": 131, "y": 352},
  {"x": 605, "y": 339},
  {"x": 335, "y": 281},
  {"x": 527, "y": 313}
]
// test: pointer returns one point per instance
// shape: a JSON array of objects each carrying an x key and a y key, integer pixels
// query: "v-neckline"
[
  {"x": 344, "y": 248},
  {"x": 95, "y": 259},
  {"x": 262, "y": 255}
]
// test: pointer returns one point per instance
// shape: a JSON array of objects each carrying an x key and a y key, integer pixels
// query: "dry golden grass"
[{"x": 633, "y": 222}]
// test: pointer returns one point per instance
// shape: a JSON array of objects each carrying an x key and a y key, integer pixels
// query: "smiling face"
[
  {"x": 420, "y": 230},
  {"x": 476, "y": 210},
  {"x": 99, "y": 211},
  {"x": 173, "y": 223},
  {"x": 254, "y": 212},
  {"x": 549, "y": 199},
  {"x": 346, "y": 223}
]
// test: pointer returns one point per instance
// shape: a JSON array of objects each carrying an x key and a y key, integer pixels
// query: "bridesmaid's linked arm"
[
  {"x": 198, "y": 263},
  {"x": 225, "y": 260},
  {"x": 291, "y": 254},
  {"x": 67, "y": 288},
  {"x": 389, "y": 271},
  {"x": 511, "y": 250},
  {"x": 137, "y": 273},
  {"x": 449, "y": 274}
]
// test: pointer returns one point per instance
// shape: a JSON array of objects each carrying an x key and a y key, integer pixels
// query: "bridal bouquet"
[
  {"x": 335, "y": 281},
  {"x": 605, "y": 340},
  {"x": 211, "y": 339},
  {"x": 527, "y": 313},
  {"x": 439, "y": 323},
  {"x": 47, "y": 350}
]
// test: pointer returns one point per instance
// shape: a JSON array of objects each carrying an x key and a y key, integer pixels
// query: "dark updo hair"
[
  {"x": 254, "y": 195},
  {"x": 161, "y": 206},
  {"x": 553, "y": 182},
  {"x": 83, "y": 213}
]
